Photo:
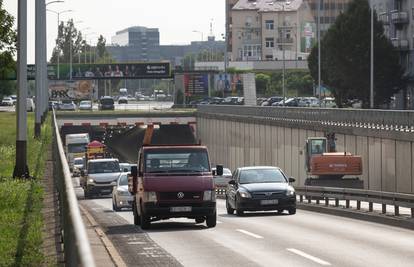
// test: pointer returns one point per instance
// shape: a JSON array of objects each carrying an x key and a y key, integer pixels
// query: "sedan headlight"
[
  {"x": 209, "y": 195},
  {"x": 290, "y": 192},
  {"x": 150, "y": 197},
  {"x": 245, "y": 194}
]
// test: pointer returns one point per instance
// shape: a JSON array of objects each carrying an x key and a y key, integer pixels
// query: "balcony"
[
  {"x": 284, "y": 40},
  {"x": 399, "y": 17},
  {"x": 384, "y": 18},
  {"x": 400, "y": 44}
]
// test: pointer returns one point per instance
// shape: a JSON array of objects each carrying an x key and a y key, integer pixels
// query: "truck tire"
[
  {"x": 211, "y": 220},
  {"x": 199, "y": 220},
  {"x": 145, "y": 221},
  {"x": 86, "y": 194},
  {"x": 137, "y": 219}
]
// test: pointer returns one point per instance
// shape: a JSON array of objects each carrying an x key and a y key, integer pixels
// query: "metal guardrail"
[
  {"x": 328, "y": 194},
  {"x": 387, "y": 120},
  {"x": 77, "y": 249}
]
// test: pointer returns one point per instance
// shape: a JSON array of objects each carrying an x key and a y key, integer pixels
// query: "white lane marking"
[
  {"x": 249, "y": 233},
  {"x": 309, "y": 257}
]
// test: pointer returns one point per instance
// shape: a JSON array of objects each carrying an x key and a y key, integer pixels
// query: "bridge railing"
[
  {"x": 328, "y": 194},
  {"x": 77, "y": 249},
  {"x": 391, "y": 120}
]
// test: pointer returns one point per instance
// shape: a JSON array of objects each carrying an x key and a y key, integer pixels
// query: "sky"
[{"x": 176, "y": 19}]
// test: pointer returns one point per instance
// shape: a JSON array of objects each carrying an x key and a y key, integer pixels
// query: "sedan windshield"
[
  {"x": 179, "y": 160},
  {"x": 261, "y": 176}
]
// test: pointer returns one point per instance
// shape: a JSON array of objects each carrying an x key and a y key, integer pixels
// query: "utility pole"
[
  {"x": 38, "y": 60},
  {"x": 372, "y": 58},
  {"x": 319, "y": 52},
  {"x": 21, "y": 169}
]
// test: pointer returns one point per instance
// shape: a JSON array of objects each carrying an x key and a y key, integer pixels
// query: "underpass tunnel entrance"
[{"x": 124, "y": 142}]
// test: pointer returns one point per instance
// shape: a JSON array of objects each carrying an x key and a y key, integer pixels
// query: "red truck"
[{"x": 172, "y": 181}]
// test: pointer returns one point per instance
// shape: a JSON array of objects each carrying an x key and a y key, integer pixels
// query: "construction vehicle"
[{"x": 328, "y": 168}]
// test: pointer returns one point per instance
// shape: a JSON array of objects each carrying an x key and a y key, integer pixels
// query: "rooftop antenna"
[{"x": 211, "y": 27}]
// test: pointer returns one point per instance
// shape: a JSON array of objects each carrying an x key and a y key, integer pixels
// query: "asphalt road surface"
[{"x": 260, "y": 239}]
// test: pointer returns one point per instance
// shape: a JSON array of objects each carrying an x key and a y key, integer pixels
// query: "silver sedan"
[{"x": 121, "y": 198}]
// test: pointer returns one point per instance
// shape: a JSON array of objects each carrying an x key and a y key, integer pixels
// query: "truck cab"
[{"x": 172, "y": 181}]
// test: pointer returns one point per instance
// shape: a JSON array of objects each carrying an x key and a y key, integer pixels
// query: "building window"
[
  {"x": 269, "y": 57},
  {"x": 270, "y": 42},
  {"x": 270, "y": 24}
]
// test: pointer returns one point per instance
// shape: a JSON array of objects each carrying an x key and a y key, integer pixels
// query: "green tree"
[
  {"x": 346, "y": 58},
  {"x": 7, "y": 51},
  {"x": 69, "y": 38},
  {"x": 262, "y": 83}
]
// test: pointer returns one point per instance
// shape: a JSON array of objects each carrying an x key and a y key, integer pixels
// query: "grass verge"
[{"x": 21, "y": 204}]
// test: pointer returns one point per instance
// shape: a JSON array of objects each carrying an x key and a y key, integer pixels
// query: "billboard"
[
  {"x": 228, "y": 83},
  {"x": 147, "y": 70},
  {"x": 195, "y": 84},
  {"x": 71, "y": 90}
]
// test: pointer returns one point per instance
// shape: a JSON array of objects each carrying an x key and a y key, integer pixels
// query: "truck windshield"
[
  {"x": 103, "y": 167},
  {"x": 76, "y": 148},
  {"x": 185, "y": 160}
]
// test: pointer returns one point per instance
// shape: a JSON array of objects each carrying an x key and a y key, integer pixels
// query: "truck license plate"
[
  {"x": 180, "y": 209},
  {"x": 269, "y": 202}
]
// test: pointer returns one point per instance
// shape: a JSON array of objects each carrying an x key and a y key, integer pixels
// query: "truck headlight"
[
  {"x": 90, "y": 180},
  {"x": 245, "y": 194},
  {"x": 209, "y": 195},
  {"x": 150, "y": 197},
  {"x": 290, "y": 192}
]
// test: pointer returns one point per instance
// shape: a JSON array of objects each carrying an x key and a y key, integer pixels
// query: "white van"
[
  {"x": 76, "y": 146},
  {"x": 30, "y": 106}
]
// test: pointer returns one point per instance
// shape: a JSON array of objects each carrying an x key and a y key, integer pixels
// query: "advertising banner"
[
  {"x": 150, "y": 70},
  {"x": 196, "y": 84},
  {"x": 71, "y": 90}
]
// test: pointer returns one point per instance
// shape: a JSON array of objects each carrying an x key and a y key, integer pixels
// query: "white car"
[
  {"x": 85, "y": 105},
  {"x": 30, "y": 105},
  {"x": 121, "y": 198},
  {"x": 67, "y": 105},
  {"x": 7, "y": 101}
]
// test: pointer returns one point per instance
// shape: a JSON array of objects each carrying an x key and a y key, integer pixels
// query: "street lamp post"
[
  {"x": 58, "y": 20},
  {"x": 372, "y": 58},
  {"x": 20, "y": 169},
  {"x": 319, "y": 52},
  {"x": 283, "y": 52}
]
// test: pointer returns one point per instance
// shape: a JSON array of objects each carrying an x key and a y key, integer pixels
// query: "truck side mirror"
[
  {"x": 232, "y": 182},
  {"x": 292, "y": 180},
  {"x": 134, "y": 177},
  {"x": 219, "y": 170}
]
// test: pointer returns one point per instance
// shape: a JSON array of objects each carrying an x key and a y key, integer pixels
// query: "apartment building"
[
  {"x": 271, "y": 30},
  {"x": 329, "y": 10}
]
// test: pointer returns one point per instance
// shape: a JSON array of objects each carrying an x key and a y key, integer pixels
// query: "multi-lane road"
[{"x": 258, "y": 239}]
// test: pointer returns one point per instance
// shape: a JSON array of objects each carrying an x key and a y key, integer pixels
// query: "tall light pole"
[
  {"x": 58, "y": 22},
  {"x": 20, "y": 169},
  {"x": 283, "y": 51},
  {"x": 372, "y": 58},
  {"x": 319, "y": 52}
]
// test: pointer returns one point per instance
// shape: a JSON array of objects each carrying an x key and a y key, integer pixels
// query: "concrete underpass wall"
[{"x": 388, "y": 163}]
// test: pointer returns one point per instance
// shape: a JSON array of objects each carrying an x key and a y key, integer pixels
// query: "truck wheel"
[
  {"x": 145, "y": 221},
  {"x": 292, "y": 211},
  {"x": 137, "y": 219},
  {"x": 229, "y": 209},
  {"x": 199, "y": 220},
  {"x": 211, "y": 220},
  {"x": 86, "y": 194}
]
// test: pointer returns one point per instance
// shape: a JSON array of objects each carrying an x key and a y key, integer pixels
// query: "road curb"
[
  {"x": 360, "y": 215},
  {"x": 113, "y": 253}
]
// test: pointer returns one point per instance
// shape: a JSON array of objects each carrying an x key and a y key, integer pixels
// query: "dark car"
[
  {"x": 106, "y": 103},
  {"x": 260, "y": 189},
  {"x": 271, "y": 100}
]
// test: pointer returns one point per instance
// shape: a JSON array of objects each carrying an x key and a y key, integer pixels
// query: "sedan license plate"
[
  {"x": 180, "y": 209},
  {"x": 269, "y": 202}
]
